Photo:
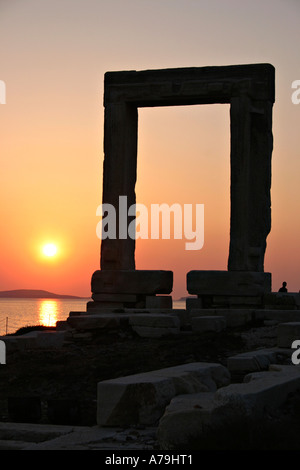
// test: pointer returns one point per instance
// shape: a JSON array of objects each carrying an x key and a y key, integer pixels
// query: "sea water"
[{"x": 17, "y": 313}]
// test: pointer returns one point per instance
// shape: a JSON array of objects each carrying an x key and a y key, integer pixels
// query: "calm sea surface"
[{"x": 16, "y": 313}]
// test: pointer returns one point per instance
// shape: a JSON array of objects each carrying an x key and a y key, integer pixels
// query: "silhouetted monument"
[{"x": 249, "y": 89}]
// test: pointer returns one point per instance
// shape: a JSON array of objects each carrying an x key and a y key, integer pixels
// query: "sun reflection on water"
[{"x": 48, "y": 312}]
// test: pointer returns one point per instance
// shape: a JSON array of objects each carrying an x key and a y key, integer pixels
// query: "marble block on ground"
[
  {"x": 142, "y": 398},
  {"x": 252, "y": 361},
  {"x": 229, "y": 416}
]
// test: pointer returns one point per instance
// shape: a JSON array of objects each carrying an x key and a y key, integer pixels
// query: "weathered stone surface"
[
  {"x": 234, "y": 317},
  {"x": 277, "y": 315},
  {"x": 77, "y": 314},
  {"x": 235, "y": 301},
  {"x": 119, "y": 179},
  {"x": 226, "y": 418},
  {"x": 196, "y": 85},
  {"x": 250, "y": 156},
  {"x": 192, "y": 303},
  {"x": 28, "y": 436},
  {"x": 155, "y": 320},
  {"x": 261, "y": 391},
  {"x": 151, "y": 325},
  {"x": 250, "y": 91},
  {"x": 35, "y": 340},
  {"x": 252, "y": 361},
  {"x": 132, "y": 282},
  {"x": 208, "y": 323},
  {"x": 118, "y": 298},
  {"x": 62, "y": 325},
  {"x": 142, "y": 398},
  {"x": 232, "y": 301},
  {"x": 237, "y": 283},
  {"x": 98, "y": 320},
  {"x": 184, "y": 421},
  {"x": 34, "y": 433},
  {"x": 287, "y": 333},
  {"x": 49, "y": 339},
  {"x": 155, "y": 332},
  {"x": 159, "y": 301},
  {"x": 182, "y": 314},
  {"x": 280, "y": 301},
  {"x": 98, "y": 307},
  {"x": 69, "y": 437},
  {"x": 239, "y": 317}
]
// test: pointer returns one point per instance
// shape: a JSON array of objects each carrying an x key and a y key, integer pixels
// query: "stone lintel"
[
  {"x": 144, "y": 282},
  {"x": 228, "y": 283},
  {"x": 191, "y": 85}
]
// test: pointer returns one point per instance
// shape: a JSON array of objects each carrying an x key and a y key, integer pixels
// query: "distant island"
[{"x": 35, "y": 294}]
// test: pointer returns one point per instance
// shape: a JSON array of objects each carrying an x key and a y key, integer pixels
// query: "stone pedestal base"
[
  {"x": 227, "y": 289},
  {"x": 131, "y": 289}
]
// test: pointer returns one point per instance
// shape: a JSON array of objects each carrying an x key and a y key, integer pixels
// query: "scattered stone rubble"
[
  {"x": 189, "y": 406},
  {"x": 142, "y": 398},
  {"x": 191, "y": 421}
]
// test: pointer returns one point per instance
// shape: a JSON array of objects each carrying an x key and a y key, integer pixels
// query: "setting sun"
[{"x": 49, "y": 250}]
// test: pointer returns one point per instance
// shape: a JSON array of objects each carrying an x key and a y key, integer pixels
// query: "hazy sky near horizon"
[{"x": 53, "y": 56}]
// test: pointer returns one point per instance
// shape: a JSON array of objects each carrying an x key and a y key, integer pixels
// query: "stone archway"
[{"x": 250, "y": 91}]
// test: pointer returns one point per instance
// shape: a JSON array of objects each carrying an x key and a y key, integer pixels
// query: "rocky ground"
[{"x": 74, "y": 371}]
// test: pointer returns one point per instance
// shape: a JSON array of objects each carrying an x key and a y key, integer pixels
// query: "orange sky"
[{"x": 53, "y": 58}]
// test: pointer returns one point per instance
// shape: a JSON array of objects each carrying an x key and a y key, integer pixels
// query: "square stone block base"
[
  {"x": 132, "y": 282},
  {"x": 131, "y": 289},
  {"x": 117, "y": 301},
  {"x": 228, "y": 283}
]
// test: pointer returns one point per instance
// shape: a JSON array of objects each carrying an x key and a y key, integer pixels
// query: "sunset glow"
[
  {"x": 52, "y": 132},
  {"x": 48, "y": 312}
]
